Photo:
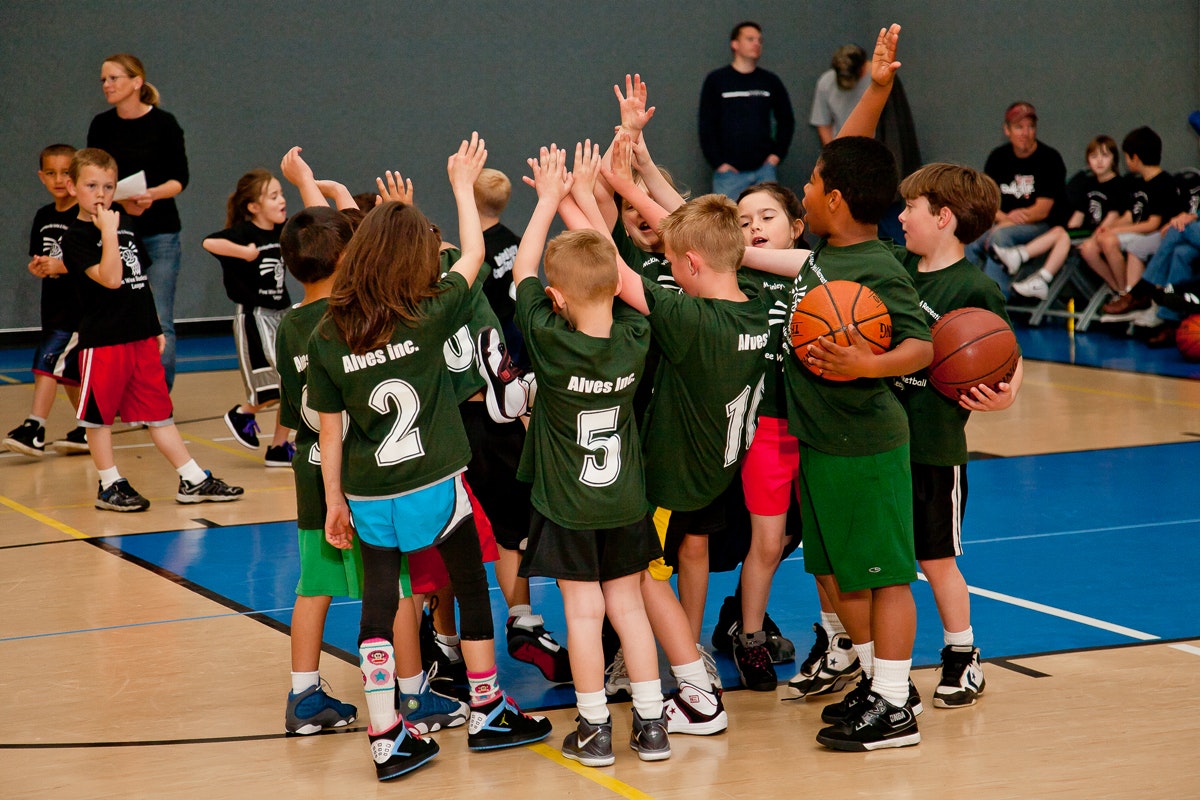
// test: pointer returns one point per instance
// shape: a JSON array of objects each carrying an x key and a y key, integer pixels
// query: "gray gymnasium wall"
[{"x": 375, "y": 85}]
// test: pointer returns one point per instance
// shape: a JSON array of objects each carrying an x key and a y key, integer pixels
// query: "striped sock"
[{"x": 485, "y": 687}]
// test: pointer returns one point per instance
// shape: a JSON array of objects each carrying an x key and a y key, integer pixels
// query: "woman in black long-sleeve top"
[{"x": 143, "y": 137}]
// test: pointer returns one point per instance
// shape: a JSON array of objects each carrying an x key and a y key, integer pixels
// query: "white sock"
[
  {"x": 694, "y": 673},
  {"x": 960, "y": 639},
  {"x": 412, "y": 685},
  {"x": 304, "y": 680},
  {"x": 39, "y": 420},
  {"x": 1045, "y": 275},
  {"x": 891, "y": 681},
  {"x": 192, "y": 473},
  {"x": 377, "y": 658},
  {"x": 109, "y": 476},
  {"x": 647, "y": 698},
  {"x": 592, "y": 706},
  {"x": 866, "y": 657},
  {"x": 832, "y": 625}
]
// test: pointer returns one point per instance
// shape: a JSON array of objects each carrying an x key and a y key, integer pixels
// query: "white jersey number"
[
  {"x": 742, "y": 413},
  {"x": 602, "y": 466},
  {"x": 312, "y": 421},
  {"x": 403, "y": 441}
]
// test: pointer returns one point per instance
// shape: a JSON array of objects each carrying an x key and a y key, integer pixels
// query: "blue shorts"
[
  {"x": 57, "y": 355},
  {"x": 414, "y": 521}
]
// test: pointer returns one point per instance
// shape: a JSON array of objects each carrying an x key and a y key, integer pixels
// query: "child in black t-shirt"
[
  {"x": 121, "y": 341},
  {"x": 56, "y": 359},
  {"x": 252, "y": 270}
]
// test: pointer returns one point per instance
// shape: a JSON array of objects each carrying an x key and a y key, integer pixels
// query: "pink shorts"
[
  {"x": 125, "y": 379},
  {"x": 426, "y": 569},
  {"x": 771, "y": 468}
]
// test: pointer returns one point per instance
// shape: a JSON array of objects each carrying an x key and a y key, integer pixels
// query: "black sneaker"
[
  {"x": 729, "y": 620},
  {"x": 74, "y": 443},
  {"x": 280, "y": 456},
  {"x": 28, "y": 438},
  {"x": 399, "y": 750},
  {"x": 506, "y": 396},
  {"x": 120, "y": 497},
  {"x": 590, "y": 745},
  {"x": 649, "y": 737},
  {"x": 243, "y": 427},
  {"x": 446, "y": 675},
  {"x": 962, "y": 678},
  {"x": 209, "y": 490},
  {"x": 534, "y": 645},
  {"x": 754, "y": 662},
  {"x": 780, "y": 647},
  {"x": 501, "y": 723},
  {"x": 846, "y": 707},
  {"x": 875, "y": 724}
]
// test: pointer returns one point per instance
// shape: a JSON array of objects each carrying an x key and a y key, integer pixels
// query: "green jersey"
[
  {"x": 583, "y": 454},
  {"x": 777, "y": 296},
  {"x": 937, "y": 425},
  {"x": 647, "y": 264},
  {"x": 859, "y": 417},
  {"x": 699, "y": 423},
  {"x": 405, "y": 432},
  {"x": 459, "y": 349}
]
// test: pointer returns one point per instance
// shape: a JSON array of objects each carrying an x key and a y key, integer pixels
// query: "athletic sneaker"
[
  {"x": 501, "y": 723},
  {"x": 845, "y": 708},
  {"x": 506, "y": 396},
  {"x": 875, "y": 724},
  {"x": 1010, "y": 257},
  {"x": 754, "y": 662},
  {"x": 209, "y": 490},
  {"x": 313, "y": 710},
  {"x": 1033, "y": 286},
  {"x": 446, "y": 675},
  {"x": 780, "y": 647},
  {"x": 694, "y": 711},
  {"x": 649, "y": 737},
  {"x": 428, "y": 711},
  {"x": 243, "y": 427},
  {"x": 962, "y": 678},
  {"x": 590, "y": 745},
  {"x": 29, "y": 438},
  {"x": 534, "y": 645},
  {"x": 74, "y": 443},
  {"x": 120, "y": 497},
  {"x": 616, "y": 676},
  {"x": 281, "y": 455},
  {"x": 729, "y": 625},
  {"x": 710, "y": 666},
  {"x": 399, "y": 750},
  {"x": 833, "y": 669}
]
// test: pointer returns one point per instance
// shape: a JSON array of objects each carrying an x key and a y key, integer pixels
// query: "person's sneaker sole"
[
  {"x": 100, "y": 504},
  {"x": 844, "y": 746},
  {"x": 24, "y": 449}
]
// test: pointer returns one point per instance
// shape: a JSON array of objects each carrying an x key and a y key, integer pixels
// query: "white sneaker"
[
  {"x": 694, "y": 711},
  {"x": 1147, "y": 317},
  {"x": 616, "y": 676},
  {"x": 962, "y": 678},
  {"x": 1033, "y": 286},
  {"x": 1010, "y": 257},
  {"x": 831, "y": 673}
]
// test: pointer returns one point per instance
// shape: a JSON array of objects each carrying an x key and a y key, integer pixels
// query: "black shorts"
[
  {"x": 726, "y": 523},
  {"x": 591, "y": 555},
  {"x": 495, "y": 454},
  {"x": 939, "y": 502}
]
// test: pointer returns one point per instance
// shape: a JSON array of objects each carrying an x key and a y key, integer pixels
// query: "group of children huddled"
[{"x": 662, "y": 400}]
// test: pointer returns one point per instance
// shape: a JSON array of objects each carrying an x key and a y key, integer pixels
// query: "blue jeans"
[
  {"x": 731, "y": 184},
  {"x": 1174, "y": 262},
  {"x": 979, "y": 252},
  {"x": 164, "y": 251}
]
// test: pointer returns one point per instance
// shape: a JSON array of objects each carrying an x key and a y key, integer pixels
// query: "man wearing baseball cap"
[{"x": 1032, "y": 177}]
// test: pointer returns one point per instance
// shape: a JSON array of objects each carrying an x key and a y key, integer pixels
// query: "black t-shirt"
[
  {"x": 152, "y": 143},
  {"x": 1095, "y": 199},
  {"x": 259, "y": 282},
  {"x": 500, "y": 250},
  {"x": 744, "y": 118},
  {"x": 1158, "y": 195},
  {"x": 110, "y": 316},
  {"x": 1188, "y": 182},
  {"x": 60, "y": 303},
  {"x": 1024, "y": 180}
]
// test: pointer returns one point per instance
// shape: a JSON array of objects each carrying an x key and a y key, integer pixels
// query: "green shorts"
[
  {"x": 326, "y": 571},
  {"x": 857, "y": 518}
]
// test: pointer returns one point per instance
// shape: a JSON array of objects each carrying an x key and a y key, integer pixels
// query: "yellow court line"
[
  {"x": 62, "y": 527},
  {"x": 591, "y": 773},
  {"x": 1107, "y": 393},
  {"x": 7, "y": 379}
]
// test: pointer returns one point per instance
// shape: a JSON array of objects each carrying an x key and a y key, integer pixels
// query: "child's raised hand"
[
  {"x": 850, "y": 361},
  {"x": 586, "y": 169},
  {"x": 464, "y": 166},
  {"x": 550, "y": 176},
  {"x": 397, "y": 189},
  {"x": 106, "y": 219},
  {"x": 294, "y": 168},
  {"x": 634, "y": 114},
  {"x": 619, "y": 171},
  {"x": 883, "y": 62}
]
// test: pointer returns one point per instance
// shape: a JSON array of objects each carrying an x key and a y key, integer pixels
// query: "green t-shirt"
[
  {"x": 647, "y": 264},
  {"x": 936, "y": 423},
  {"x": 859, "y": 417},
  {"x": 699, "y": 422},
  {"x": 405, "y": 432},
  {"x": 777, "y": 295},
  {"x": 459, "y": 349},
  {"x": 583, "y": 454}
]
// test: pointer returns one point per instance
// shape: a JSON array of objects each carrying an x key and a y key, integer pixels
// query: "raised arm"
[
  {"x": 297, "y": 172},
  {"x": 584, "y": 174},
  {"x": 785, "y": 263},
  {"x": 658, "y": 187},
  {"x": 620, "y": 176},
  {"x": 553, "y": 185},
  {"x": 463, "y": 168},
  {"x": 865, "y": 116}
]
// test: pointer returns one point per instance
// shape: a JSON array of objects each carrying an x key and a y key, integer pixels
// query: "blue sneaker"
[
  {"x": 428, "y": 711},
  {"x": 501, "y": 723},
  {"x": 312, "y": 710}
]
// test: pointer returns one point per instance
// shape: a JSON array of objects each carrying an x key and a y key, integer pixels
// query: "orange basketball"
[
  {"x": 829, "y": 308},
  {"x": 972, "y": 346},
  {"x": 1187, "y": 338}
]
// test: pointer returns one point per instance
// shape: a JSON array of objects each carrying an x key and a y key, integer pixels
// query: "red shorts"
[
  {"x": 771, "y": 468},
  {"x": 125, "y": 379},
  {"x": 425, "y": 568}
]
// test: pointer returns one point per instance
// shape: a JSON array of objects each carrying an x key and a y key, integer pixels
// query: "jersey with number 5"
[{"x": 405, "y": 431}]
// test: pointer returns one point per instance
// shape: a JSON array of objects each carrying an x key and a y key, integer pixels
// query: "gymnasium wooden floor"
[{"x": 118, "y": 681}]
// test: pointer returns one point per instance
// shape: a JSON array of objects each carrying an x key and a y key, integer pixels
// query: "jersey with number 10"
[
  {"x": 405, "y": 431},
  {"x": 706, "y": 393},
  {"x": 583, "y": 454}
]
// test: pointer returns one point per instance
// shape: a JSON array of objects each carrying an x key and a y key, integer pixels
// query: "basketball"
[
  {"x": 972, "y": 346},
  {"x": 1187, "y": 338},
  {"x": 828, "y": 309}
]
